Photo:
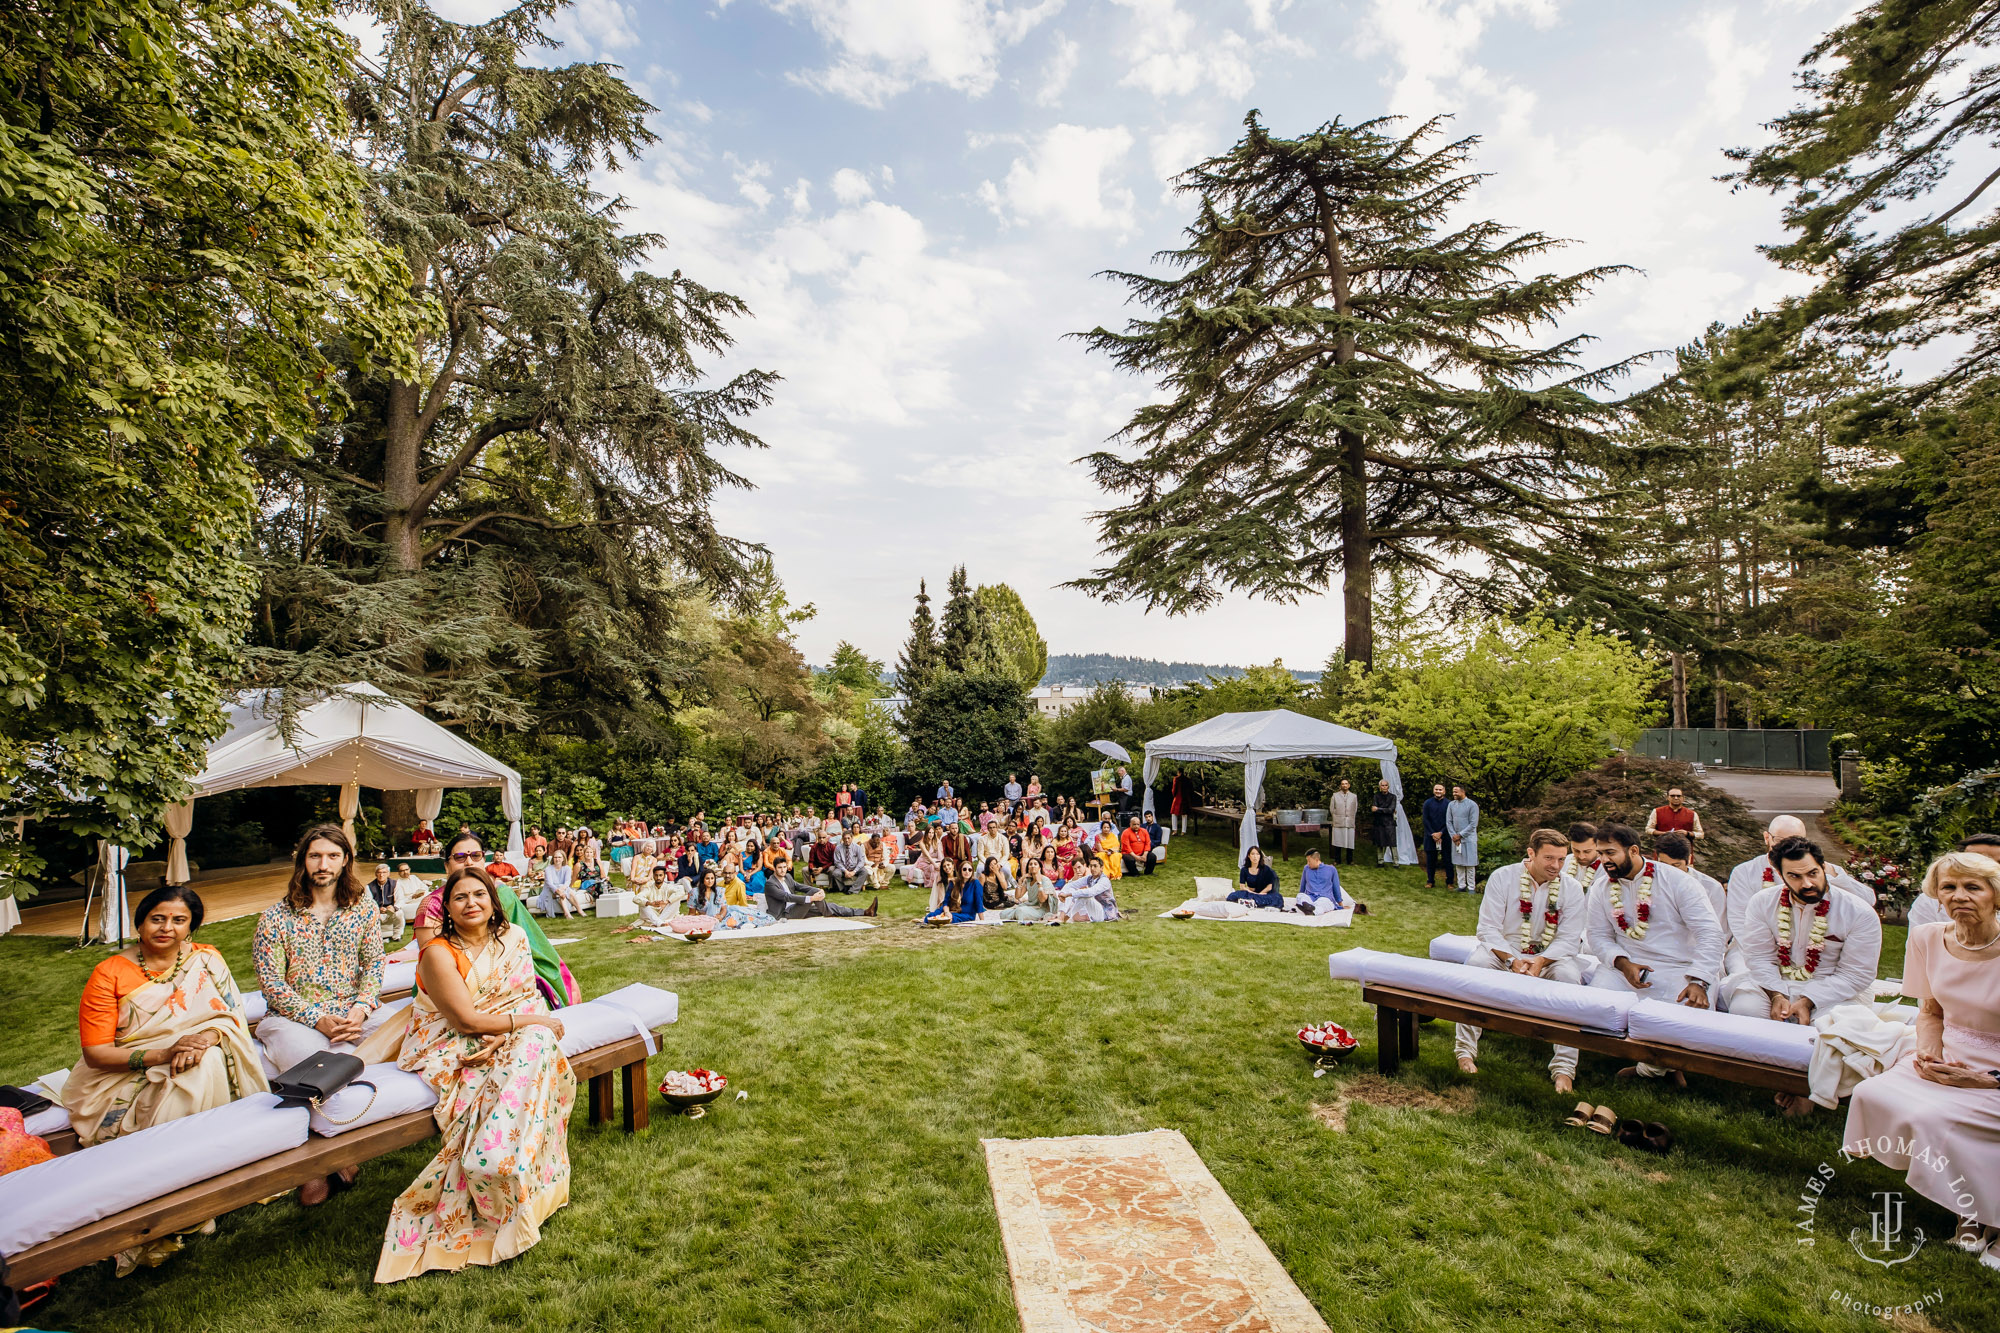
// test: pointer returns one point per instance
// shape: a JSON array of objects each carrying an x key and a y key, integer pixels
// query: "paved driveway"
[{"x": 1770, "y": 794}]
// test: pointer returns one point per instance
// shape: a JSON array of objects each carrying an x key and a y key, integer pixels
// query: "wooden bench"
[
  {"x": 1397, "y": 1011},
  {"x": 604, "y": 1069}
]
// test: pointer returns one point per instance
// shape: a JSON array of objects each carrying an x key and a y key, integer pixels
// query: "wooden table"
[{"x": 1265, "y": 822}]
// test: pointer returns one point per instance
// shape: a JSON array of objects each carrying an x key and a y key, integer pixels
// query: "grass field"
[{"x": 849, "y": 1191}]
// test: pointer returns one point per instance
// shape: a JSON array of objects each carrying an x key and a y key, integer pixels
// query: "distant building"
[{"x": 1056, "y": 700}]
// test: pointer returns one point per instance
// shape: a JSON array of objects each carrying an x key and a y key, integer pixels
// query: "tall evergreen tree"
[
  {"x": 1893, "y": 95},
  {"x": 963, "y": 641},
  {"x": 919, "y": 662},
  {"x": 508, "y": 535},
  {"x": 1345, "y": 390}
]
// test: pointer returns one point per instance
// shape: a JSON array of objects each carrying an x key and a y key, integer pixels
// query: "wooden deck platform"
[{"x": 227, "y": 894}]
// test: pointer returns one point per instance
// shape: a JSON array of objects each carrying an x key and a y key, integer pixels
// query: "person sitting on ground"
[
  {"x": 659, "y": 898},
  {"x": 960, "y": 901},
  {"x": 1089, "y": 897},
  {"x": 1946, "y": 1095},
  {"x": 1805, "y": 948},
  {"x": 382, "y": 890},
  {"x": 1259, "y": 881},
  {"x": 482, "y": 1035},
  {"x": 1532, "y": 920},
  {"x": 164, "y": 1036},
  {"x": 999, "y": 881},
  {"x": 1108, "y": 850},
  {"x": 849, "y": 871},
  {"x": 1651, "y": 929},
  {"x": 1135, "y": 848},
  {"x": 557, "y": 896},
  {"x": 1319, "y": 888},
  {"x": 786, "y": 899},
  {"x": 1034, "y": 896}
]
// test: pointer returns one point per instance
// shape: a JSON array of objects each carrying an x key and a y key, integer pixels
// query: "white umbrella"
[{"x": 1111, "y": 750}]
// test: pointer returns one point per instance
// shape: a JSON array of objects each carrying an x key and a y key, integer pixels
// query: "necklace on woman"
[
  {"x": 1974, "y": 948},
  {"x": 167, "y": 973}
]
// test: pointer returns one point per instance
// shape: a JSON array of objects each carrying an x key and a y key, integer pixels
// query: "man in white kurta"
[
  {"x": 1780, "y": 978},
  {"x": 1677, "y": 851},
  {"x": 1751, "y": 878},
  {"x": 1342, "y": 807},
  {"x": 1652, "y": 930},
  {"x": 1530, "y": 943}
]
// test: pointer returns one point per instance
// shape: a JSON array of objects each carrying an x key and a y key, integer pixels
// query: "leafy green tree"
[
  {"x": 511, "y": 534},
  {"x": 854, "y": 671},
  {"x": 1506, "y": 708},
  {"x": 1893, "y": 97},
  {"x": 1063, "y": 757},
  {"x": 919, "y": 662},
  {"x": 1017, "y": 645},
  {"x": 182, "y": 239},
  {"x": 970, "y": 727},
  {"x": 1345, "y": 390}
]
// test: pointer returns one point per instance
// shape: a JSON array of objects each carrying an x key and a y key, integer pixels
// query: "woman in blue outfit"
[
  {"x": 1259, "y": 881},
  {"x": 963, "y": 897}
]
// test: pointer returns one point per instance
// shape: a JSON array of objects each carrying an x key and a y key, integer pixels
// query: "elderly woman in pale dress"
[{"x": 1943, "y": 1102}]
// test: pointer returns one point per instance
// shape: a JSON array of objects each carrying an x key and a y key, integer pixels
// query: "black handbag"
[
  {"x": 313, "y": 1080},
  {"x": 20, "y": 1099}
]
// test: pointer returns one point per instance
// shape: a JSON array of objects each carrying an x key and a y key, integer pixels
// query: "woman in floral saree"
[
  {"x": 481, "y": 1033},
  {"x": 162, "y": 1029}
]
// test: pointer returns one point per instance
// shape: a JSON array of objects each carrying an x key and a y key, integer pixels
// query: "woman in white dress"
[{"x": 1943, "y": 1101}]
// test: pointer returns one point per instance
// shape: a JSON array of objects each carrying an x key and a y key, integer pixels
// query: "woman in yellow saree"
[
  {"x": 482, "y": 1035},
  {"x": 162, "y": 1029}
]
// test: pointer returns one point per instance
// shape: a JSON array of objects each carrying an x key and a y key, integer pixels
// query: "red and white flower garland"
[
  {"x": 1551, "y": 911},
  {"x": 1644, "y": 898},
  {"x": 1815, "y": 937}
]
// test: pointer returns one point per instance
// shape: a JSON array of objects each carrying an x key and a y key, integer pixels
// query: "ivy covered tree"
[
  {"x": 1348, "y": 388},
  {"x": 183, "y": 241},
  {"x": 511, "y": 533},
  {"x": 1893, "y": 97},
  {"x": 1016, "y": 644},
  {"x": 919, "y": 661}
]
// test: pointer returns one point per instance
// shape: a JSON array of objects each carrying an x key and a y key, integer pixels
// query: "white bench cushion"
[
  {"x": 1739, "y": 1036},
  {"x": 50, "y": 1120},
  {"x": 398, "y": 976},
  {"x": 254, "y": 1008},
  {"x": 52, "y": 1198},
  {"x": 631, "y": 1010},
  {"x": 1453, "y": 948},
  {"x": 1532, "y": 997},
  {"x": 397, "y": 1092}
]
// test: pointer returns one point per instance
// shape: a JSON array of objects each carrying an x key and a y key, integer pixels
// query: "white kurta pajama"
[
  {"x": 1849, "y": 955},
  {"x": 1682, "y": 941},
  {"x": 1342, "y": 809},
  {"x": 1752, "y": 877},
  {"x": 1500, "y": 928}
]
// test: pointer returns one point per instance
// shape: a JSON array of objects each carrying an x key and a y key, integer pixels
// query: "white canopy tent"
[
  {"x": 355, "y": 737},
  {"x": 1255, "y": 739}
]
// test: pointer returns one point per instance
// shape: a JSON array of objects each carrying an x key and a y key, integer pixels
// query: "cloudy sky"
[{"x": 914, "y": 196}]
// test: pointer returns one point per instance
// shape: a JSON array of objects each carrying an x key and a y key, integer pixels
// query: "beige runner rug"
[{"x": 1131, "y": 1234}]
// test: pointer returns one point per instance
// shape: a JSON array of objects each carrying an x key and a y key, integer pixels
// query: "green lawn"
[{"x": 849, "y": 1192}]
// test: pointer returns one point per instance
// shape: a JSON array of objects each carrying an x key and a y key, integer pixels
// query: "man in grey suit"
[
  {"x": 787, "y": 899},
  {"x": 850, "y": 865}
]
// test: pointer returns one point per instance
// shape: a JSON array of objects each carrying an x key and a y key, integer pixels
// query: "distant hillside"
[{"x": 1090, "y": 668}]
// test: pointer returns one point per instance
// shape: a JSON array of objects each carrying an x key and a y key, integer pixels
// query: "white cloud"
[
  {"x": 698, "y": 112},
  {"x": 593, "y": 29},
  {"x": 800, "y": 195},
  {"x": 1734, "y": 64},
  {"x": 750, "y": 178},
  {"x": 851, "y": 187},
  {"x": 884, "y": 47},
  {"x": 1178, "y": 147},
  {"x": 1056, "y": 76},
  {"x": 1068, "y": 177},
  {"x": 1169, "y": 58},
  {"x": 1264, "y": 13},
  {"x": 1433, "y": 41}
]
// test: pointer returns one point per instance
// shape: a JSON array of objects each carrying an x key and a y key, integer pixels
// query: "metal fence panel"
[
  {"x": 1748, "y": 747},
  {"x": 1712, "y": 746}
]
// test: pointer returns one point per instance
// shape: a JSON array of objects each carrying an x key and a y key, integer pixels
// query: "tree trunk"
[
  {"x": 399, "y": 815},
  {"x": 402, "y": 477},
  {"x": 1678, "y": 689},
  {"x": 1357, "y": 562},
  {"x": 1721, "y": 702}
]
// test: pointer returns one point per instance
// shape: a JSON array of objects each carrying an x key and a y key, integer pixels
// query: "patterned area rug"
[{"x": 1131, "y": 1234}]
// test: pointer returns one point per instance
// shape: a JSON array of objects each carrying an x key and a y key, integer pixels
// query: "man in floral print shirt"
[{"x": 319, "y": 955}]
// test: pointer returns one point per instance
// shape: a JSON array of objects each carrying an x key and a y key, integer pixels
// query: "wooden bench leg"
[
  {"x": 1388, "y": 1053},
  {"x": 602, "y": 1096},
  {"x": 636, "y": 1100},
  {"x": 1406, "y": 1034}
]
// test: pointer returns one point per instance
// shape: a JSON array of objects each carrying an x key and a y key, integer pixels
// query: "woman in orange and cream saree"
[{"x": 482, "y": 1035}]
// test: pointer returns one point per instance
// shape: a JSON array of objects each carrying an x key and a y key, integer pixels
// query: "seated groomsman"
[
  {"x": 1749, "y": 879},
  {"x": 1675, "y": 850},
  {"x": 1805, "y": 948},
  {"x": 1653, "y": 932},
  {"x": 1531, "y": 921}
]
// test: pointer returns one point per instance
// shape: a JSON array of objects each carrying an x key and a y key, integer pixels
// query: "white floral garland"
[
  {"x": 1551, "y": 912},
  {"x": 1644, "y": 910},
  {"x": 1803, "y": 969}
]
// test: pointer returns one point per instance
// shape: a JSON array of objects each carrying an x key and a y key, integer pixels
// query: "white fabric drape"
[
  {"x": 1406, "y": 845},
  {"x": 1253, "y": 787},
  {"x": 510, "y": 806},
  {"x": 1152, "y": 771},
  {"x": 180, "y": 822},
  {"x": 115, "y": 915},
  {"x": 10, "y": 914},
  {"x": 350, "y": 805},
  {"x": 430, "y": 800}
]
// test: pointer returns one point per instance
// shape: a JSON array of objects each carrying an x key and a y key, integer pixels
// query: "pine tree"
[
  {"x": 919, "y": 662},
  {"x": 1345, "y": 390},
  {"x": 964, "y": 646}
]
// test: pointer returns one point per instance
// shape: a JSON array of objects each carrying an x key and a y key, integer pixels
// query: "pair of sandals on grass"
[{"x": 1648, "y": 1134}]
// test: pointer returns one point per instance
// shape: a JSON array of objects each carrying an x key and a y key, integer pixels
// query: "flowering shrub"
[{"x": 1889, "y": 877}]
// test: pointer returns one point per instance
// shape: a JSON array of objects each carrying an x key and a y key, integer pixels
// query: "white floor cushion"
[
  {"x": 1453, "y": 948},
  {"x": 1741, "y": 1036},
  {"x": 1209, "y": 888},
  {"x": 52, "y": 1198},
  {"x": 633, "y": 1010},
  {"x": 396, "y": 1092},
  {"x": 1593, "y": 1010},
  {"x": 43, "y": 1123}
]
